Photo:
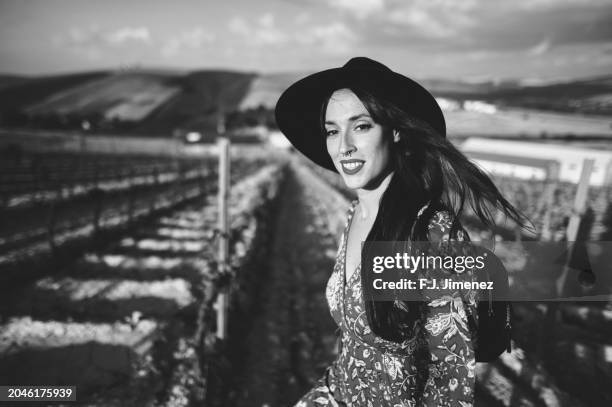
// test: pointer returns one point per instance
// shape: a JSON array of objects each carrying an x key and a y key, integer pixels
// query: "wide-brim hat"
[{"x": 298, "y": 109}]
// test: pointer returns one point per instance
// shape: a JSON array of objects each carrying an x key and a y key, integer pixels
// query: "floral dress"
[{"x": 374, "y": 372}]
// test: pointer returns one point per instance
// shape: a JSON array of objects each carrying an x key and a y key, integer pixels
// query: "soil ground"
[{"x": 293, "y": 337}]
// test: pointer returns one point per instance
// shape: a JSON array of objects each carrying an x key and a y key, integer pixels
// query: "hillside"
[
  {"x": 124, "y": 96},
  {"x": 18, "y": 94},
  {"x": 9, "y": 80},
  {"x": 142, "y": 102},
  {"x": 196, "y": 103},
  {"x": 160, "y": 102},
  {"x": 266, "y": 89},
  {"x": 587, "y": 96},
  {"x": 593, "y": 96}
]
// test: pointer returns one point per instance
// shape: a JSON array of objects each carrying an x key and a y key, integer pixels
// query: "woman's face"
[{"x": 349, "y": 128}]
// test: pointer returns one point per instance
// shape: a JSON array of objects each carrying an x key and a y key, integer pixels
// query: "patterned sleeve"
[{"x": 447, "y": 330}]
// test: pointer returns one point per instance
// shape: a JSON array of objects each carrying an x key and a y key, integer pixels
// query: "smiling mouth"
[{"x": 351, "y": 167}]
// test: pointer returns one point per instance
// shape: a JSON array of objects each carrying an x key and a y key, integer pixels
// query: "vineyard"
[
  {"x": 109, "y": 277},
  {"x": 109, "y": 272}
]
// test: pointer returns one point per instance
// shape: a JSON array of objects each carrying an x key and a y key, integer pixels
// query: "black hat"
[{"x": 299, "y": 107}]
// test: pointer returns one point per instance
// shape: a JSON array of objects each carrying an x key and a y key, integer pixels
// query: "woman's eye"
[
  {"x": 331, "y": 132},
  {"x": 363, "y": 126}
]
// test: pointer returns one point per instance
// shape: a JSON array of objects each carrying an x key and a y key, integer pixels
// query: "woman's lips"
[{"x": 351, "y": 167}]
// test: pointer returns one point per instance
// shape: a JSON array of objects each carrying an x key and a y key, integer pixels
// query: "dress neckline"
[
  {"x": 345, "y": 244},
  {"x": 345, "y": 241},
  {"x": 343, "y": 258}
]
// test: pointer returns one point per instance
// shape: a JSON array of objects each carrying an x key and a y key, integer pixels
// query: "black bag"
[{"x": 494, "y": 324}]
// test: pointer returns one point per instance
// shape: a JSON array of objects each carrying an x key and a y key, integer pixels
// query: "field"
[
  {"x": 121, "y": 290},
  {"x": 109, "y": 271},
  {"x": 521, "y": 122},
  {"x": 123, "y": 97},
  {"x": 120, "y": 286}
]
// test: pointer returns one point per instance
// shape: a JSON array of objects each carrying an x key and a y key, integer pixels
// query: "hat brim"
[{"x": 298, "y": 109}]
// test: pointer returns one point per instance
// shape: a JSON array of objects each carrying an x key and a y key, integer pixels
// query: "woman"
[{"x": 385, "y": 135}]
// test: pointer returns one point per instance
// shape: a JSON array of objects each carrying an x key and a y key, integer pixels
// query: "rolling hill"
[
  {"x": 197, "y": 104},
  {"x": 588, "y": 96},
  {"x": 9, "y": 80},
  {"x": 158, "y": 102},
  {"x": 18, "y": 93},
  {"x": 141, "y": 102}
]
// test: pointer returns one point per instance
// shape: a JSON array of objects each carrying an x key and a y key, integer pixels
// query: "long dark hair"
[{"x": 427, "y": 168}]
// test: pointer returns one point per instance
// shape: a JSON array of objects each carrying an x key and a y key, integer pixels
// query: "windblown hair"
[{"x": 427, "y": 168}]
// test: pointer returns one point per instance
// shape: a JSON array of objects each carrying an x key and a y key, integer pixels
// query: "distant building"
[
  {"x": 278, "y": 139},
  {"x": 479, "y": 107},
  {"x": 517, "y": 167},
  {"x": 448, "y": 105},
  {"x": 259, "y": 132},
  {"x": 533, "y": 160},
  {"x": 194, "y": 135}
]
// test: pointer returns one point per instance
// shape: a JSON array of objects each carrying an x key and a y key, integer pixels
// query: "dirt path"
[{"x": 293, "y": 338}]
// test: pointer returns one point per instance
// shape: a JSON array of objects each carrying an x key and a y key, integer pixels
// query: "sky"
[{"x": 531, "y": 40}]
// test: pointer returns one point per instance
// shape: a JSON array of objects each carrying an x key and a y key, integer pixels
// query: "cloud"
[
  {"x": 470, "y": 24},
  {"x": 238, "y": 25},
  {"x": 477, "y": 26},
  {"x": 422, "y": 21},
  {"x": 540, "y": 48},
  {"x": 95, "y": 36},
  {"x": 93, "y": 43},
  {"x": 193, "y": 38},
  {"x": 77, "y": 37},
  {"x": 481, "y": 55},
  {"x": 303, "y": 18},
  {"x": 359, "y": 8},
  {"x": 537, "y": 31},
  {"x": 543, "y": 4},
  {"x": 433, "y": 18},
  {"x": 264, "y": 32},
  {"x": 333, "y": 38},
  {"x": 125, "y": 34},
  {"x": 267, "y": 20}
]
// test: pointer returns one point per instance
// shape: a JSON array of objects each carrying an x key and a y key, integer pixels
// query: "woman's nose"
[{"x": 346, "y": 143}]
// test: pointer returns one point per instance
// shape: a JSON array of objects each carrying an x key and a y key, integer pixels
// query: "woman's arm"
[{"x": 447, "y": 329}]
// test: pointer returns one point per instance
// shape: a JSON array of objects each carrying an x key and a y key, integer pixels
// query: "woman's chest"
[
  {"x": 356, "y": 235},
  {"x": 349, "y": 312},
  {"x": 344, "y": 298}
]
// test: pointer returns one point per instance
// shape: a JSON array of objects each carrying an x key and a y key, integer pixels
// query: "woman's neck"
[{"x": 369, "y": 199}]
